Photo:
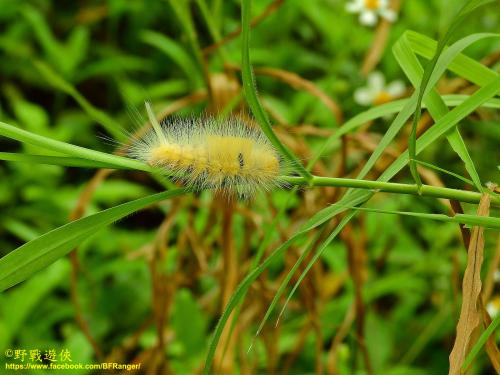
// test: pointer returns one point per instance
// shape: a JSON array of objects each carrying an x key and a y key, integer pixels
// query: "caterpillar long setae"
[{"x": 206, "y": 153}]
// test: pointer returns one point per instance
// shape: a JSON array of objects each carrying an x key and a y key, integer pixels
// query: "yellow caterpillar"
[{"x": 206, "y": 153}]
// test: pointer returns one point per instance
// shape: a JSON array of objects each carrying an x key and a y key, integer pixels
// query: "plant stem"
[{"x": 392, "y": 187}]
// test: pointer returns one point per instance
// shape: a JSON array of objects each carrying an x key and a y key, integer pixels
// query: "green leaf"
[
  {"x": 446, "y": 123},
  {"x": 437, "y": 107},
  {"x": 21, "y": 135},
  {"x": 462, "y": 65},
  {"x": 345, "y": 220},
  {"x": 470, "y": 220},
  {"x": 57, "y": 160},
  {"x": 432, "y": 166},
  {"x": 286, "y": 281},
  {"x": 431, "y": 72},
  {"x": 384, "y": 110},
  {"x": 235, "y": 299},
  {"x": 21, "y": 263}
]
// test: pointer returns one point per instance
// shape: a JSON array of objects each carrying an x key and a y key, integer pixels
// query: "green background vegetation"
[{"x": 151, "y": 287}]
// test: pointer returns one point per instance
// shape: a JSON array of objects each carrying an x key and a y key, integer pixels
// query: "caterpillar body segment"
[{"x": 206, "y": 153}]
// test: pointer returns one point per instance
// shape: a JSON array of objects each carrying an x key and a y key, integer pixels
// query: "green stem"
[
  {"x": 251, "y": 94},
  {"x": 391, "y": 187}
]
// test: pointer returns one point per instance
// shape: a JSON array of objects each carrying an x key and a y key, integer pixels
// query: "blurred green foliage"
[{"x": 70, "y": 70}]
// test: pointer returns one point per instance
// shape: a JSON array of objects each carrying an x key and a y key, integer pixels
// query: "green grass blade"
[
  {"x": 42, "y": 32},
  {"x": 470, "y": 220},
  {"x": 437, "y": 107},
  {"x": 451, "y": 53},
  {"x": 251, "y": 93},
  {"x": 389, "y": 135},
  {"x": 183, "y": 13},
  {"x": 432, "y": 166},
  {"x": 446, "y": 123},
  {"x": 64, "y": 161},
  {"x": 236, "y": 297},
  {"x": 425, "y": 83},
  {"x": 21, "y": 263},
  {"x": 212, "y": 28},
  {"x": 333, "y": 210},
  {"x": 119, "y": 162},
  {"x": 474, "y": 4},
  {"x": 458, "y": 145},
  {"x": 479, "y": 221},
  {"x": 454, "y": 100},
  {"x": 384, "y": 110},
  {"x": 285, "y": 282},
  {"x": 345, "y": 220},
  {"x": 462, "y": 65}
]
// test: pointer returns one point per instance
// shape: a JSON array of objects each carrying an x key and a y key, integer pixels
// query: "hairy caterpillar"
[{"x": 206, "y": 153}]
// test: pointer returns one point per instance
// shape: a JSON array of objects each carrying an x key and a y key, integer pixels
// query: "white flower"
[
  {"x": 370, "y": 10},
  {"x": 493, "y": 307},
  {"x": 377, "y": 92}
]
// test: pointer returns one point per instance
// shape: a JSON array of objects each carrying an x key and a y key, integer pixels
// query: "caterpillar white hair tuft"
[{"x": 207, "y": 153}]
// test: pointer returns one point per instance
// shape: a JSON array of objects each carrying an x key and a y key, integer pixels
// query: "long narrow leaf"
[
  {"x": 21, "y": 263},
  {"x": 470, "y": 220},
  {"x": 425, "y": 83},
  {"x": 57, "y": 160},
  {"x": 437, "y": 107},
  {"x": 462, "y": 65},
  {"x": 21, "y": 135}
]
